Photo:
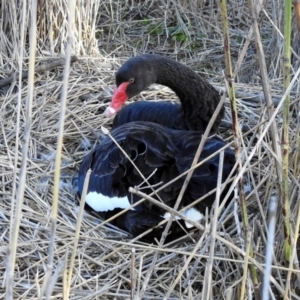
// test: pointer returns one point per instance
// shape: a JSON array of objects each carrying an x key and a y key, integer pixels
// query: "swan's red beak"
[{"x": 118, "y": 99}]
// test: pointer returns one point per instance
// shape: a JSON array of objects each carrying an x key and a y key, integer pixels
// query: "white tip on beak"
[{"x": 109, "y": 112}]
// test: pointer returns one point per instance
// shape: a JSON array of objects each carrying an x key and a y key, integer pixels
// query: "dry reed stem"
[
  {"x": 266, "y": 88},
  {"x": 15, "y": 224},
  {"x": 58, "y": 158},
  {"x": 214, "y": 216},
  {"x": 246, "y": 266},
  {"x": 237, "y": 142},
  {"x": 269, "y": 251}
]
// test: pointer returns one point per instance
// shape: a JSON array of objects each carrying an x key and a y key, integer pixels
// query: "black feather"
[
  {"x": 162, "y": 145},
  {"x": 169, "y": 152}
]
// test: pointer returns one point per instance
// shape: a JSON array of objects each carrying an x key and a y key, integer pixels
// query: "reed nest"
[{"x": 108, "y": 263}]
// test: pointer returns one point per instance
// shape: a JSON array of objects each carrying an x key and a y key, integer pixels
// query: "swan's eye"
[{"x": 131, "y": 80}]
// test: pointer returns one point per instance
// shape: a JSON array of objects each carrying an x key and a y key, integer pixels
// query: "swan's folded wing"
[{"x": 112, "y": 172}]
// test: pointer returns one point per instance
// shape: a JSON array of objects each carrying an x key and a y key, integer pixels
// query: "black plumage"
[
  {"x": 163, "y": 113},
  {"x": 198, "y": 98},
  {"x": 153, "y": 147},
  {"x": 161, "y": 139}
]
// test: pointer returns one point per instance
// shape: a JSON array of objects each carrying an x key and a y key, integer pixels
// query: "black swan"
[
  {"x": 161, "y": 154},
  {"x": 162, "y": 147},
  {"x": 198, "y": 98}
]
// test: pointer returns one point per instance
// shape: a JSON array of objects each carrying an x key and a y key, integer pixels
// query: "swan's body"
[
  {"x": 158, "y": 152},
  {"x": 161, "y": 139}
]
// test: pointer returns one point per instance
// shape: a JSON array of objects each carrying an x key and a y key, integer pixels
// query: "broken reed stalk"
[
  {"x": 67, "y": 282},
  {"x": 58, "y": 157},
  {"x": 15, "y": 224},
  {"x": 246, "y": 266},
  {"x": 21, "y": 49},
  {"x": 285, "y": 144},
  {"x": 206, "y": 293},
  {"x": 269, "y": 249},
  {"x": 267, "y": 92},
  {"x": 237, "y": 139},
  {"x": 133, "y": 276}
]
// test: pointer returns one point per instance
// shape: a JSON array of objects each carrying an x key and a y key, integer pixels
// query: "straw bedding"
[{"x": 108, "y": 264}]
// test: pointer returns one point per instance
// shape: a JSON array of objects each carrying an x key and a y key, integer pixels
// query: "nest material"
[
  {"x": 108, "y": 265},
  {"x": 104, "y": 255}
]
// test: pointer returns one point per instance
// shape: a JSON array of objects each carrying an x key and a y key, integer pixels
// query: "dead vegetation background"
[{"x": 108, "y": 264}]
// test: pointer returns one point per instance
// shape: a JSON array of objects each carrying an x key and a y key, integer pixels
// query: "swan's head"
[{"x": 133, "y": 77}]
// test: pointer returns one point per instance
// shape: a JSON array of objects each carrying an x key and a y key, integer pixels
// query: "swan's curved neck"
[{"x": 198, "y": 97}]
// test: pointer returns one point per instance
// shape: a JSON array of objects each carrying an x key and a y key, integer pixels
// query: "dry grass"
[{"x": 108, "y": 264}]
